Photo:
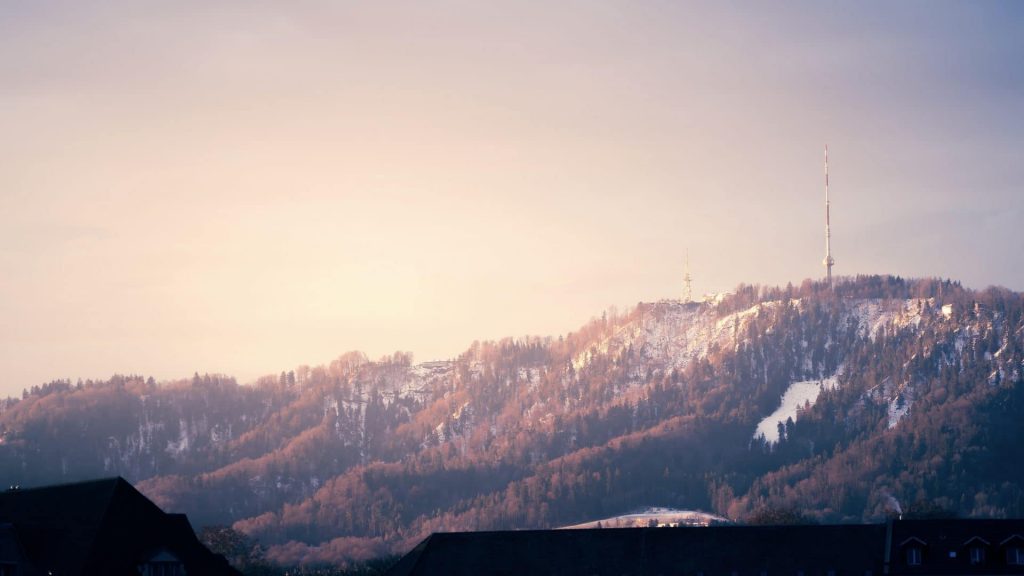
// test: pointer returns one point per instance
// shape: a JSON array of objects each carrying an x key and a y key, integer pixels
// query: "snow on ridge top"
[
  {"x": 716, "y": 298},
  {"x": 673, "y": 333},
  {"x": 671, "y": 315},
  {"x": 874, "y": 314},
  {"x": 433, "y": 367},
  {"x": 677, "y": 341},
  {"x": 736, "y": 319}
]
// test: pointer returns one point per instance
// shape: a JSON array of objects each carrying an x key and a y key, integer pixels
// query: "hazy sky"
[{"x": 243, "y": 187}]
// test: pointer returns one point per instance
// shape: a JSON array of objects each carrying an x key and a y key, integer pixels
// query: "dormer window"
[
  {"x": 162, "y": 569},
  {"x": 162, "y": 563},
  {"x": 1014, "y": 546},
  {"x": 976, "y": 550},
  {"x": 913, "y": 551}
]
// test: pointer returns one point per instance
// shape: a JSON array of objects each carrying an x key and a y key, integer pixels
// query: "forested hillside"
[{"x": 920, "y": 404}]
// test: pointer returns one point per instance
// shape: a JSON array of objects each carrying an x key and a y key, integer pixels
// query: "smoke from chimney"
[{"x": 893, "y": 504}]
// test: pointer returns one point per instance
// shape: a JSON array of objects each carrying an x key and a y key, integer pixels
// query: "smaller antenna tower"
[
  {"x": 829, "y": 261},
  {"x": 687, "y": 281}
]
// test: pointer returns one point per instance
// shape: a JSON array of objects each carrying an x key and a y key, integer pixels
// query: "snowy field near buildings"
[{"x": 660, "y": 517}]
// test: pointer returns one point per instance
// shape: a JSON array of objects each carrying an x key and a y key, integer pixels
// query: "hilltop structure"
[
  {"x": 687, "y": 282},
  {"x": 829, "y": 261}
]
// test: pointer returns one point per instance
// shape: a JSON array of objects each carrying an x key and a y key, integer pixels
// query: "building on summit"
[{"x": 102, "y": 527}]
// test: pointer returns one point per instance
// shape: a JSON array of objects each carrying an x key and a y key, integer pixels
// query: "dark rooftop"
[
  {"x": 718, "y": 550},
  {"x": 99, "y": 527}
]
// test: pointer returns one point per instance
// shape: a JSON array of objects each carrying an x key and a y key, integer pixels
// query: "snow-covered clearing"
[{"x": 798, "y": 395}]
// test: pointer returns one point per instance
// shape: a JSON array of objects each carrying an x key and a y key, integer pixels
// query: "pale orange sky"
[{"x": 243, "y": 187}]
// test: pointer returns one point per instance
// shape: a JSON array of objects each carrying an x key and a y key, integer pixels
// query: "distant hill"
[{"x": 900, "y": 394}]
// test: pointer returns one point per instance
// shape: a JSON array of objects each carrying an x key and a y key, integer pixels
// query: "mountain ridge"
[{"x": 657, "y": 406}]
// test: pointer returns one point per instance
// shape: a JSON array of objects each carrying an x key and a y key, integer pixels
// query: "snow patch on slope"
[
  {"x": 794, "y": 399},
  {"x": 898, "y": 408}
]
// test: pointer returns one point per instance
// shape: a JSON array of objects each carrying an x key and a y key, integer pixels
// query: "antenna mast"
[
  {"x": 687, "y": 295},
  {"x": 829, "y": 261}
]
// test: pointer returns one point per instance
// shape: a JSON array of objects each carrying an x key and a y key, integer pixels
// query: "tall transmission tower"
[
  {"x": 829, "y": 261},
  {"x": 687, "y": 281}
]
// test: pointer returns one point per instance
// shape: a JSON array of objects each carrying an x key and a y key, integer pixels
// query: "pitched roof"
[
  {"x": 63, "y": 523},
  {"x": 98, "y": 527}
]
